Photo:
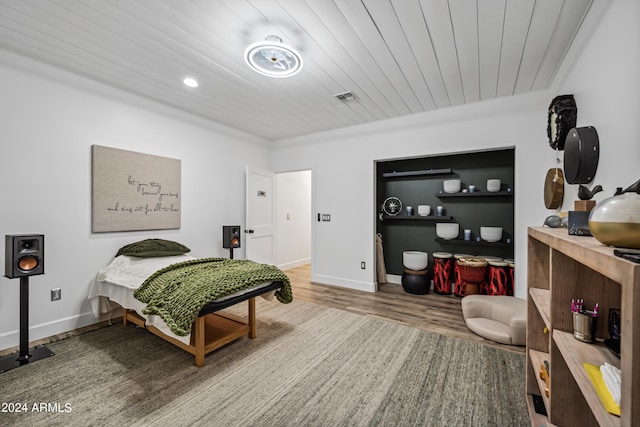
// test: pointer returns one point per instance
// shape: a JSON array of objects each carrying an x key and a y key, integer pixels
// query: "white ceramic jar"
[
  {"x": 451, "y": 185},
  {"x": 493, "y": 185},
  {"x": 424, "y": 210}
]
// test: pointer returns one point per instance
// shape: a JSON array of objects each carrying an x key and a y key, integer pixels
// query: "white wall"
[
  {"x": 344, "y": 183},
  {"x": 293, "y": 219},
  {"x": 605, "y": 81},
  {"x": 602, "y": 71},
  {"x": 49, "y": 120}
]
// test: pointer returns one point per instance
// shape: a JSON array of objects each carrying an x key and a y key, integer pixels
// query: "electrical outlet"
[
  {"x": 326, "y": 217},
  {"x": 56, "y": 294},
  {"x": 363, "y": 265}
]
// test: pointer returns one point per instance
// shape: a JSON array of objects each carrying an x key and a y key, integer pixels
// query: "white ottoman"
[{"x": 499, "y": 318}]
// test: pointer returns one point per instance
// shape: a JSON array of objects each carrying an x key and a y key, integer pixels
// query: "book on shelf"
[{"x": 606, "y": 396}]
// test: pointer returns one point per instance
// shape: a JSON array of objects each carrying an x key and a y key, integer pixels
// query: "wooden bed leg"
[
  {"x": 252, "y": 318},
  {"x": 198, "y": 325},
  {"x": 124, "y": 317}
]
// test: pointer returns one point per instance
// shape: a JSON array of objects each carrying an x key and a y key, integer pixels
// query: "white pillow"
[{"x": 132, "y": 271}]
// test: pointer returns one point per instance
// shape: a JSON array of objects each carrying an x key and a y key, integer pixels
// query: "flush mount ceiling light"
[{"x": 273, "y": 58}]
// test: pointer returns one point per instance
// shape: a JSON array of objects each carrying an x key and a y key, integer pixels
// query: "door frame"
[{"x": 312, "y": 219}]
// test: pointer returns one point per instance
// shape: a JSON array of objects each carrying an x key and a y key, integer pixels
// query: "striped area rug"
[{"x": 309, "y": 366}]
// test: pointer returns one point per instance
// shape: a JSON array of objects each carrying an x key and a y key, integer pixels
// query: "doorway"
[{"x": 293, "y": 213}]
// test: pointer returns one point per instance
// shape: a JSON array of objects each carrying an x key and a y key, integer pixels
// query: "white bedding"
[{"x": 115, "y": 284}]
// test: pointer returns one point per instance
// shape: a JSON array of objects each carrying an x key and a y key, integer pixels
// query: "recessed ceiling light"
[
  {"x": 273, "y": 58},
  {"x": 191, "y": 82}
]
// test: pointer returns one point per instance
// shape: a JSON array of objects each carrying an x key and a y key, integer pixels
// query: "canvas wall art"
[{"x": 134, "y": 191}]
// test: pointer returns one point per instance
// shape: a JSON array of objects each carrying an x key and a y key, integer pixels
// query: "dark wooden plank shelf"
[
  {"x": 423, "y": 172},
  {"x": 418, "y": 217},
  {"x": 476, "y": 194},
  {"x": 473, "y": 242}
]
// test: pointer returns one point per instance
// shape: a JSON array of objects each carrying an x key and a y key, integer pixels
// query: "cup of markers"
[{"x": 584, "y": 321}]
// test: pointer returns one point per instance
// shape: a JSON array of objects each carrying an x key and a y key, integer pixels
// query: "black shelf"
[
  {"x": 423, "y": 172},
  {"x": 476, "y": 194},
  {"x": 418, "y": 217},
  {"x": 418, "y": 181},
  {"x": 473, "y": 242}
]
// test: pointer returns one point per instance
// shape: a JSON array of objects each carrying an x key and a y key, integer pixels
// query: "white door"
[{"x": 259, "y": 234}]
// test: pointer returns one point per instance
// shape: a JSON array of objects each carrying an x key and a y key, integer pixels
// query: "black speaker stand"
[
  {"x": 230, "y": 253},
  {"x": 26, "y": 355}
]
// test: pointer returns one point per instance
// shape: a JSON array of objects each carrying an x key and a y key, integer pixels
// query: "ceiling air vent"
[{"x": 346, "y": 96}]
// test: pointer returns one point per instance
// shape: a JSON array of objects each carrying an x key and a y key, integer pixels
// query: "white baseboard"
[
  {"x": 294, "y": 264},
  {"x": 394, "y": 278},
  {"x": 344, "y": 283},
  {"x": 44, "y": 330}
]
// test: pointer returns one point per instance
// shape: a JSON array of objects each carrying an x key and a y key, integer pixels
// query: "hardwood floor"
[{"x": 437, "y": 313}]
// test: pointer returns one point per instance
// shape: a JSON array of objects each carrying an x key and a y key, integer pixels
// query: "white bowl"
[
  {"x": 447, "y": 230},
  {"x": 491, "y": 234},
  {"x": 493, "y": 185},
  {"x": 451, "y": 185},
  {"x": 424, "y": 210},
  {"x": 415, "y": 260}
]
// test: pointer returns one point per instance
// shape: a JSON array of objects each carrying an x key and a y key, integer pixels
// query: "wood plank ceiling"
[{"x": 398, "y": 57}]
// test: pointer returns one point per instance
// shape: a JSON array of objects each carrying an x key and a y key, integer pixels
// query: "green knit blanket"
[{"x": 179, "y": 291}]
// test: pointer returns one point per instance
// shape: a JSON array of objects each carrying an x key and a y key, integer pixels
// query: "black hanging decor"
[{"x": 562, "y": 116}]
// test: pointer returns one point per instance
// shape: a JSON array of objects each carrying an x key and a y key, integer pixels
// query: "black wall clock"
[{"x": 561, "y": 117}]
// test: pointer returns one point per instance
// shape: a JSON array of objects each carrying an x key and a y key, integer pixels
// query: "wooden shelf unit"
[{"x": 561, "y": 267}]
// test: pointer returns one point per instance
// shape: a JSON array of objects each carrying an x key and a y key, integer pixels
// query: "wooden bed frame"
[{"x": 212, "y": 330}]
